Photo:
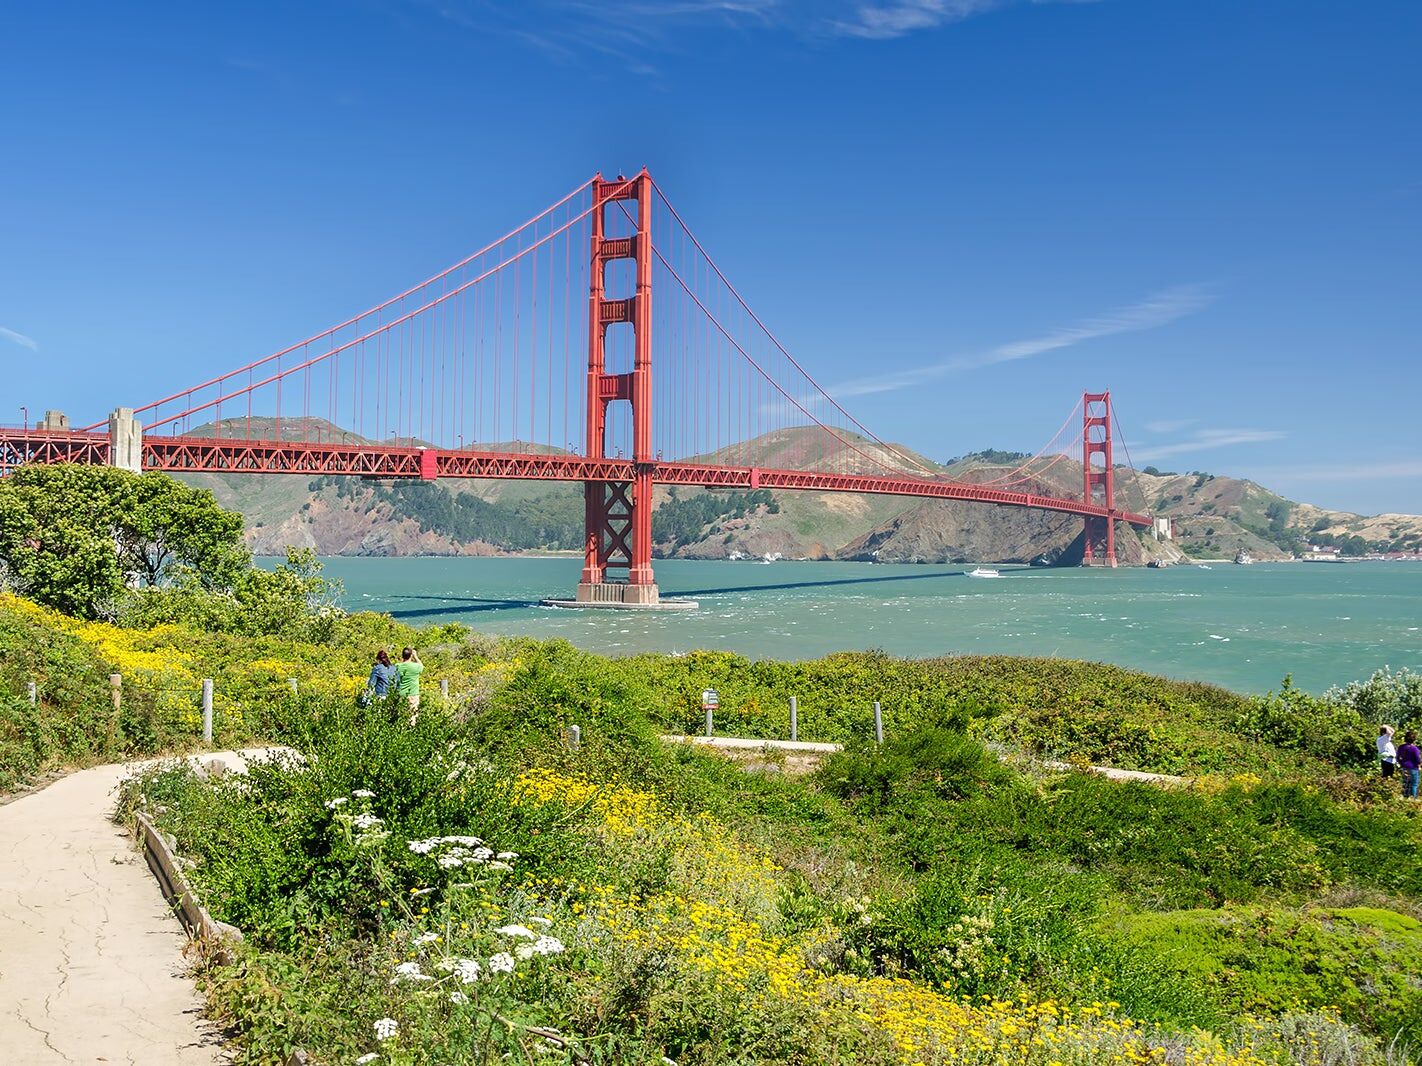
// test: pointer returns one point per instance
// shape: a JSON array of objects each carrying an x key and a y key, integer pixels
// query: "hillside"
[{"x": 1215, "y": 516}]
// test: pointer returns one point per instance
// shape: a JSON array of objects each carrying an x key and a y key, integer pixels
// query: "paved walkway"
[{"x": 91, "y": 957}]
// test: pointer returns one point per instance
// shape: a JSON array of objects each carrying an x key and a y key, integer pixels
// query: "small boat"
[
  {"x": 982, "y": 571},
  {"x": 1203, "y": 566}
]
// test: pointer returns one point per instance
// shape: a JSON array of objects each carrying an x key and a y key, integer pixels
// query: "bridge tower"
[
  {"x": 1099, "y": 477},
  {"x": 617, "y": 515}
]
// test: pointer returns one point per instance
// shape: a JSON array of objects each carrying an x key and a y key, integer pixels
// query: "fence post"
[
  {"x": 794, "y": 719},
  {"x": 116, "y": 691},
  {"x": 32, "y": 691},
  {"x": 444, "y": 687},
  {"x": 207, "y": 710},
  {"x": 292, "y": 682},
  {"x": 709, "y": 724},
  {"x": 575, "y": 737},
  {"x": 878, "y": 724}
]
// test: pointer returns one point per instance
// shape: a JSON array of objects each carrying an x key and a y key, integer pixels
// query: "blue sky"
[{"x": 957, "y": 213}]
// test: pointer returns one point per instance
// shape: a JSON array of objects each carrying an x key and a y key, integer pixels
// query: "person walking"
[
  {"x": 382, "y": 677},
  {"x": 1387, "y": 750},
  {"x": 407, "y": 682},
  {"x": 1409, "y": 761}
]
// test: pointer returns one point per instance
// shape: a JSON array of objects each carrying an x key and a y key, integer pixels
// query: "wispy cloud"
[
  {"x": 565, "y": 29},
  {"x": 897, "y": 18},
  {"x": 1157, "y": 309},
  {"x": 1206, "y": 439},
  {"x": 20, "y": 339},
  {"x": 1170, "y": 425},
  {"x": 1403, "y": 468}
]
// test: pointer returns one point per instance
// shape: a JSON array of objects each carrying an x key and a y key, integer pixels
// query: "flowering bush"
[{"x": 410, "y": 896}]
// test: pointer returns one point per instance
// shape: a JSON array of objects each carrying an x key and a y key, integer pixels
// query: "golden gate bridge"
[{"x": 598, "y": 343}]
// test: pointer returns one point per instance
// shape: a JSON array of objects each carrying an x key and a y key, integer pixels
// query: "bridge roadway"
[{"x": 233, "y": 455}]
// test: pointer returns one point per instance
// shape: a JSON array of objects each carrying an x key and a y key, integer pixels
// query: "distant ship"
[{"x": 983, "y": 572}]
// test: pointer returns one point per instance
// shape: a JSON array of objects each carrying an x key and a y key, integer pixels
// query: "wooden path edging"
[{"x": 201, "y": 925}]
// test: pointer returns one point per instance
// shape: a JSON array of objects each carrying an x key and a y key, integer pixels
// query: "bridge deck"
[{"x": 211, "y": 455}]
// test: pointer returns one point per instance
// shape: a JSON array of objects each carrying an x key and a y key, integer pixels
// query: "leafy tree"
[{"x": 76, "y": 537}]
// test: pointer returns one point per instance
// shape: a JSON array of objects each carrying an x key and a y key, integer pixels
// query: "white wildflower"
[
  {"x": 363, "y": 793},
  {"x": 501, "y": 963},
  {"x": 523, "y": 952},
  {"x": 425, "y": 938},
  {"x": 409, "y": 971},
  {"x": 385, "y": 1028},
  {"x": 339, "y": 801},
  {"x": 458, "y": 998},
  {"x": 366, "y": 820},
  {"x": 467, "y": 970},
  {"x": 544, "y": 922},
  {"x": 548, "y": 945},
  {"x": 371, "y": 1057},
  {"x": 500, "y": 866},
  {"x": 482, "y": 854},
  {"x": 516, "y": 930},
  {"x": 422, "y": 847},
  {"x": 509, "y": 855}
]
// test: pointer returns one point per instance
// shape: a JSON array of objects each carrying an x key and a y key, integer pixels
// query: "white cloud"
[
  {"x": 1157, "y": 309},
  {"x": 1206, "y": 439},
  {"x": 1405, "y": 468},
  {"x": 896, "y": 18},
  {"x": 20, "y": 339},
  {"x": 565, "y": 28},
  {"x": 1170, "y": 425}
]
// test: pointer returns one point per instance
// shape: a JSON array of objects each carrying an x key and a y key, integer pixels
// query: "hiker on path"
[
  {"x": 1387, "y": 751},
  {"x": 382, "y": 676},
  {"x": 1409, "y": 761},
  {"x": 407, "y": 683}
]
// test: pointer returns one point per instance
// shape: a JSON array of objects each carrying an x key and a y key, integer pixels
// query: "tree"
[{"x": 76, "y": 537}]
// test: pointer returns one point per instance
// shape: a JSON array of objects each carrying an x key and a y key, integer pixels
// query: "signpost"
[{"x": 710, "y": 700}]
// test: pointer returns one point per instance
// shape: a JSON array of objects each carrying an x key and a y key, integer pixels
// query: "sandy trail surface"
[{"x": 91, "y": 956}]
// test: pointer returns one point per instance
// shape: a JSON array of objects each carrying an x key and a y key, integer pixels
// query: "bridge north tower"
[{"x": 1099, "y": 478}]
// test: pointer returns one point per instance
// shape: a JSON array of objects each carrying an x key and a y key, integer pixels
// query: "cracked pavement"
[{"x": 91, "y": 957}]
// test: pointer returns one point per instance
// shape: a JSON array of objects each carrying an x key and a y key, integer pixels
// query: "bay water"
[{"x": 1244, "y": 627}]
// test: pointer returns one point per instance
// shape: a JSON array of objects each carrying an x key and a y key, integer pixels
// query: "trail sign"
[{"x": 710, "y": 699}]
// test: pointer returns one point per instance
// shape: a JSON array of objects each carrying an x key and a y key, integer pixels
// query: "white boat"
[
  {"x": 983, "y": 571},
  {"x": 1203, "y": 566}
]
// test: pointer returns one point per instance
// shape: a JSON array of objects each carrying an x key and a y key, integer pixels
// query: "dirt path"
[{"x": 91, "y": 958}]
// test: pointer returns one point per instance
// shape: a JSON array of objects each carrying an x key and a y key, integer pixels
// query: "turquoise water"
[{"x": 1240, "y": 626}]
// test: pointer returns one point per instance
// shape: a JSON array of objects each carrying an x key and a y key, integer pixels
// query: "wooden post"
[
  {"x": 32, "y": 692},
  {"x": 794, "y": 718},
  {"x": 709, "y": 724},
  {"x": 878, "y": 724},
  {"x": 575, "y": 737},
  {"x": 444, "y": 687},
  {"x": 116, "y": 691},
  {"x": 292, "y": 682},
  {"x": 207, "y": 710}
]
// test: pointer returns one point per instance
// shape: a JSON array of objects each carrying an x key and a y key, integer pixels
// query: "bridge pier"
[{"x": 125, "y": 441}]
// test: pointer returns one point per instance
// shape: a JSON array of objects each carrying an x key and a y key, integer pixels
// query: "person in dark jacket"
[
  {"x": 1409, "y": 761},
  {"x": 382, "y": 676}
]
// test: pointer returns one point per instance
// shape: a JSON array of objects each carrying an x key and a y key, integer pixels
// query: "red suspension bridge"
[{"x": 534, "y": 358}]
